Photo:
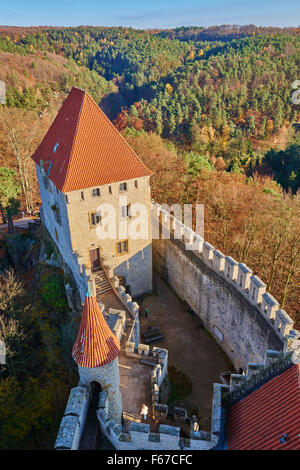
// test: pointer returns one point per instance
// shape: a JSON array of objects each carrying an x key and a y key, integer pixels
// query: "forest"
[{"x": 208, "y": 110}]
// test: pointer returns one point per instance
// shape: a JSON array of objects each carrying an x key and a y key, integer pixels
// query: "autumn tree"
[
  {"x": 23, "y": 131},
  {"x": 9, "y": 191}
]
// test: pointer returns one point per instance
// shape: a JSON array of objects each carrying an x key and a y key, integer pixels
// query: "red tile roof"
[
  {"x": 260, "y": 420},
  {"x": 83, "y": 149},
  {"x": 95, "y": 345}
]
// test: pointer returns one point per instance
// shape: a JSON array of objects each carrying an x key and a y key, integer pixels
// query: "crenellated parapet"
[
  {"x": 73, "y": 421},
  {"x": 138, "y": 436},
  {"x": 240, "y": 276},
  {"x": 258, "y": 373},
  {"x": 126, "y": 299}
]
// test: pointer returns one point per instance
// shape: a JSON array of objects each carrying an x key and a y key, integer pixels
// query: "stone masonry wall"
[
  {"x": 109, "y": 379},
  {"x": 232, "y": 303},
  {"x": 60, "y": 232},
  {"x": 136, "y": 265}
]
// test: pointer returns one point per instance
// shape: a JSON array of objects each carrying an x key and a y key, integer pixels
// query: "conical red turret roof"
[
  {"x": 95, "y": 345},
  {"x": 83, "y": 149}
]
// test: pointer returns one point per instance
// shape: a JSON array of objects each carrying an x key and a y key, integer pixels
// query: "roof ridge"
[
  {"x": 117, "y": 132},
  {"x": 75, "y": 134},
  {"x": 91, "y": 150}
]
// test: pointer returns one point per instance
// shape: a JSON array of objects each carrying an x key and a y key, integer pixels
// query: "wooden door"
[{"x": 95, "y": 259}]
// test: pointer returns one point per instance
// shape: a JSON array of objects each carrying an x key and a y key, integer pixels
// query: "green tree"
[{"x": 9, "y": 190}]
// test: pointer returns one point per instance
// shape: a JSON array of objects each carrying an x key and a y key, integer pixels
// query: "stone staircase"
[{"x": 102, "y": 284}]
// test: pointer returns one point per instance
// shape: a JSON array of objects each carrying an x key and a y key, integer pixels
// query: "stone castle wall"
[
  {"x": 60, "y": 232},
  {"x": 108, "y": 377},
  {"x": 231, "y": 302},
  {"x": 136, "y": 265}
]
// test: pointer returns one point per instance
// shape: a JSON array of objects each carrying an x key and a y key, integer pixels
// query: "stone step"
[
  {"x": 100, "y": 278},
  {"x": 103, "y": 291},
  {"x": 100, "y": 283}
]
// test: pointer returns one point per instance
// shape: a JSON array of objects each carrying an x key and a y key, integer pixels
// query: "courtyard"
[{"x": 192, "y": 351}]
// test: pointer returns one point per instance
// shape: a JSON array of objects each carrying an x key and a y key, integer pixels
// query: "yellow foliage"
[
  {"x": 169, "y": 88},
  {"x": 200, "y": 52}
]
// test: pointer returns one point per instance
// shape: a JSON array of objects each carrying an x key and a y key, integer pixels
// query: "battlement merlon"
[{"x": 241, "y": 276}]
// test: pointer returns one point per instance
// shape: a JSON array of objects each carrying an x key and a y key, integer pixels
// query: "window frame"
[
  {"x": 98, "y": 192},
  {"x": 128, "y": 215},
  {"x": 123, "y": 190},
  {"x": 94, "y": 218},
  {"x": 123, "y": 251}
]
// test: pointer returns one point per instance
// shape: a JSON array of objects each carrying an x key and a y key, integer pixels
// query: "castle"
[
  {"x": 86, "y": 171},
  {"x": 81, "y": 164}
]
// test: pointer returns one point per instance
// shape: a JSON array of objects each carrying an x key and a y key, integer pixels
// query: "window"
[
  {"x": 82, "y": 195},
  {"x": 122, "y": 247},
  {"x": 56, "y": 213},
  {"x": 67, "y": 200},
  {"x": 47, "y": 183},
  {"x": 125, "y": 211},
  {"x": 136, "y": 184},
  {"x": 109, "y": 189},
  {"x": 56, "y": 234},
  {"x": 123, "y": 186},
  {"x": 96, "y": 192},
  {"x": 94, "y": 218}
]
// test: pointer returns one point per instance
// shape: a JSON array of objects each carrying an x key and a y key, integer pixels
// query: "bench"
[
  {"x": 153, "y": 338},
  {"x": 151, "y": 331}
]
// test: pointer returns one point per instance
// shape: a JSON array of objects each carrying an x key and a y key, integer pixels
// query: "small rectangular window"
[
  {"x": 94, "y": 218},
  {"x": 47, "y": 183},
  {"x": 67, "y": 200},
  {"x": 136, "y": 184},
  {"x": 98, "y": 217},
  {"x": 122, "y": 247},
  {"x": 123, "y": 186},
  {"x": 96, "y": 192},
  {"x": 109, "y": 189},
  {"x": 82, "y": 195},
  {"x": 125, "y": 211}
]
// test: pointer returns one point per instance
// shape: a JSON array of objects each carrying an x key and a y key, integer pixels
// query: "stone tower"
[
  {"x": 96, "y": 352},
  {"x": 90, "y": 179}
]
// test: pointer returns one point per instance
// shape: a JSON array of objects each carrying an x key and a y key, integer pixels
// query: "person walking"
[
  {"x": 144, "y": 411},
  {"x": 146, "y": 312}
]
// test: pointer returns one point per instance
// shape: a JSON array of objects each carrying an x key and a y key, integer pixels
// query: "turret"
[{"x": 96, "y": 352}]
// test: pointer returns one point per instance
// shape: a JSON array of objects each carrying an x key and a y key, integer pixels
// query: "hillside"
[
  {"x": 208, "y": 110},
  {"x": 201, "y": 107},
  {"x": 33, "y": 80}
]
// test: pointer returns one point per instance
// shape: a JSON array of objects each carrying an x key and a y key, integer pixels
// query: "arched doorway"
[
  {"x": 92, "y": 438},
  {"x": 95, "y": 389}
]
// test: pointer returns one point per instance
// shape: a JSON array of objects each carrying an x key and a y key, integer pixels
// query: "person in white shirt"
[{"x": 144, "y": 411}]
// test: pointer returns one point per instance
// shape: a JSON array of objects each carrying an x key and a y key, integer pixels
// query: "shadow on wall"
[{"x": 137, "y": 272}]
